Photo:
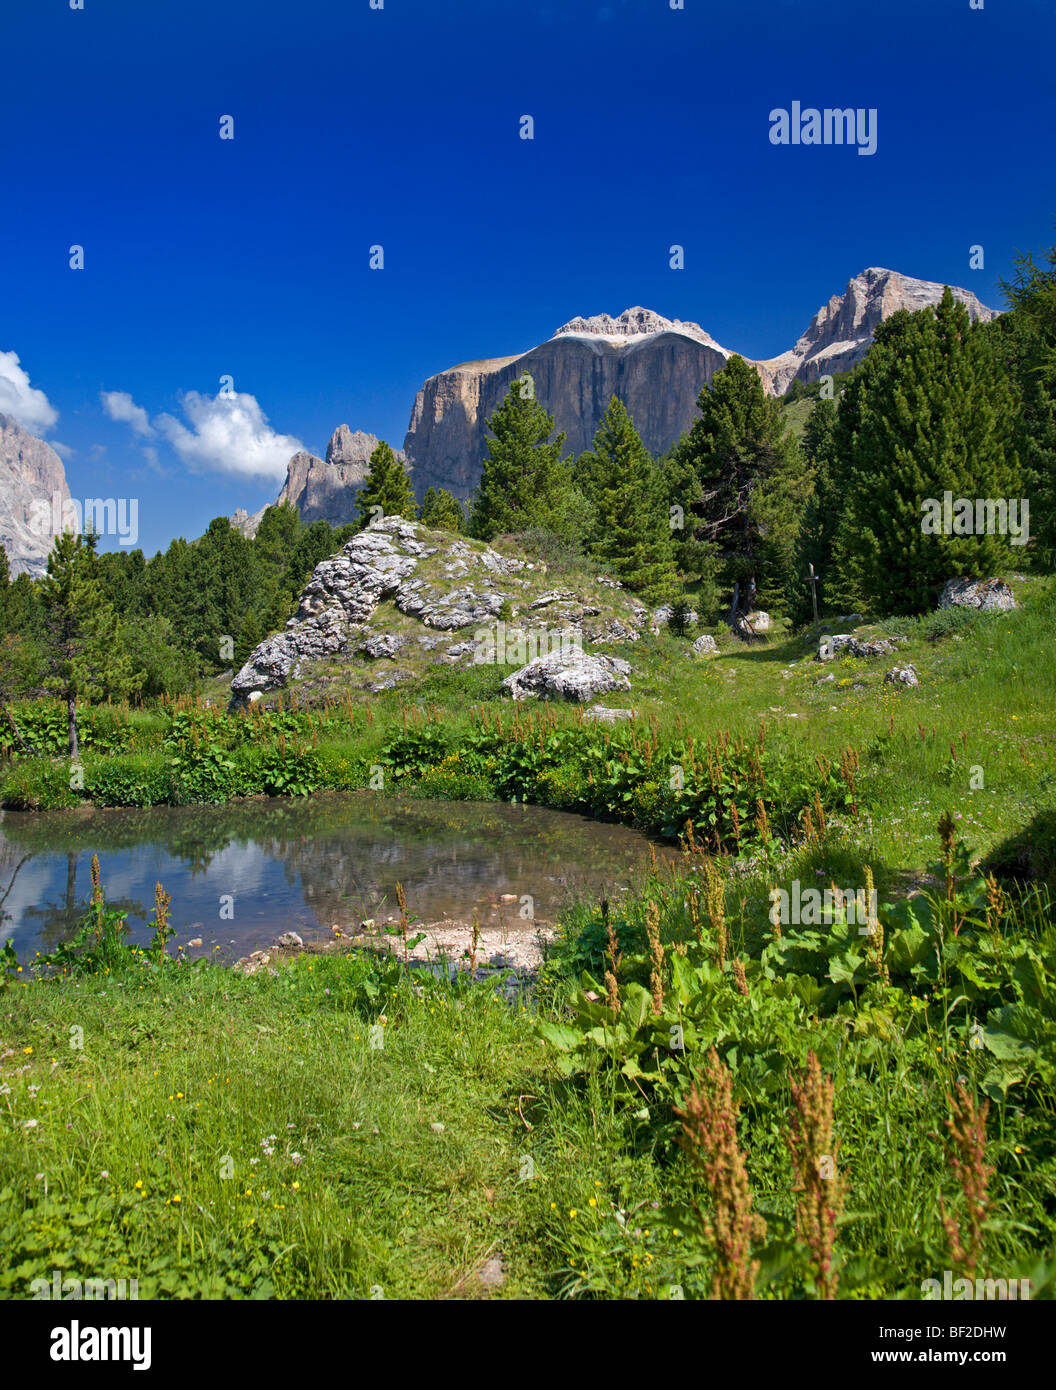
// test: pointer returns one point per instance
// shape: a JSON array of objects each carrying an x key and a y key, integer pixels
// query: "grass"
[
  {"x": 337, "y": 1128},
  {"x": 472, "y": 1136}
]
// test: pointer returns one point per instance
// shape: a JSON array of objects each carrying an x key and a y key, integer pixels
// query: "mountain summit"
[{"x": 655, "y": 365}]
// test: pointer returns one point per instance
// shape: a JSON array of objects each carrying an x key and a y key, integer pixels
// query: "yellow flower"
[
  {"x": 593, "y": 1202},
  {"x": 27, "y": 1050},
  {"x": 295, "y": 1186},
  {"x": 138, "y": 1182},
  {"x": 573, "y": 1213}
]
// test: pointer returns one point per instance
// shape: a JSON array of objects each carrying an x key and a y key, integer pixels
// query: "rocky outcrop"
[
  {"x": 656, "y": 366},
  {"x": 841, "y": 332},
  {"x": 446, "y": 600},
  {"x": 31, "y": 478},
  {"x": 572, "y": 675},
  {"x": 988, "y": 595}
]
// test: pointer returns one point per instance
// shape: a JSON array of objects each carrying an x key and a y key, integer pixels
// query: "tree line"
[{"x": 738, "y": 506}]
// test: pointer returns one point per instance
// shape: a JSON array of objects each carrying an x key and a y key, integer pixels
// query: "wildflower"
[
  {"x": 709, "y": 1127},
  {"x": 818, "y": 1187},
  {"x": 967, "y": 1127},
  {"x": 656, "y": 955}
]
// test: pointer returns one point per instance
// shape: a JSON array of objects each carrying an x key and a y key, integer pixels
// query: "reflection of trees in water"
[
  {"x": 9, "y": 879},
  {"x": 344, "y": 853},
  {"x": 450, "y": 867},
  {"x": 54, "y": 922}
]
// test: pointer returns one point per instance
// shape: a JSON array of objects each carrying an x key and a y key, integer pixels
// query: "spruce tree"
[
  {"x": 524, "y": 482},
  {"x": 85, "y": 659},
  {"x": 1026, "y": 337},
  {"x": 740, "y": 473},
  {"x": 386, "y": 490},
  {"x": 630, "y": 527},
  {"x": 442, "y": 511},
  {"x": 933, "y": 414}
]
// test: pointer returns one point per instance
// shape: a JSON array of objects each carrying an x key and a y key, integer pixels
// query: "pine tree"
[
  {"x": 623, "y": 485},
  {"x": 386, "y": 490},
  {"x": 524, "y": 482},
  {"x": 934, "y": 413},
  {"x": 84, "y": 657},
  {"x": 1026, "y": 338},
  {"x": 442, "y": 511},
  {"x": 740, "y": 474},
  {"x": 821, "y": 512}
]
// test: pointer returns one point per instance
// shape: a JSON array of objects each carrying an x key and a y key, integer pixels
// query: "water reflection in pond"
[{"x": 281, "y": 865}]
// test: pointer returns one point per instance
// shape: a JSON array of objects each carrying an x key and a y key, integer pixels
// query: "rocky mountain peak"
[
  {"x": 631, "y": 323},
  {"x": 31, "y": 476},
  {"x": 840, "y": 333},
  {"x": 351, "y": 448}
]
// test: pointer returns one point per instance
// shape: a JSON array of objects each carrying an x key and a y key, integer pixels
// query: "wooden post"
[{"x": 814, "y": 591}]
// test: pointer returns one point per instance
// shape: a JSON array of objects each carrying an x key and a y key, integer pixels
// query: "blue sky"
[{"x": 248, "y": 258}]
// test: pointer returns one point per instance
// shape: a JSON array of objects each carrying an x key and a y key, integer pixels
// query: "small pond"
[{"x": 271, "y": 866}]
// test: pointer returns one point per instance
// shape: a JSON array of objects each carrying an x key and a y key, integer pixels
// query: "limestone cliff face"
[
  {"x": 31, "y": 474},
  {"x": 841, "y": 332},
  {"x": 656, "y": 366}
]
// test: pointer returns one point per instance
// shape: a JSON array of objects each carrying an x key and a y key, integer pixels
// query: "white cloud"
[
  {"x": 64, "y": 451},
  {"x": 228, "y": 434},
  {"x": 119, "y": 405},
  {"x": 28, "y": 405}
]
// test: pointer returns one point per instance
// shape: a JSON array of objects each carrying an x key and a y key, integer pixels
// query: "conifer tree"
[
  {"x": 740, "y": 475},
  {"x": 442, "y": 511},
  {"x": 524, "y": 482},
  {"x": 386, "y": 490},
  {"x": 933, "y": 413},
  {"x": 1026, "y": 337},
  {"x": 630, "y": 527},
  {"x": 85, "y": 659}
]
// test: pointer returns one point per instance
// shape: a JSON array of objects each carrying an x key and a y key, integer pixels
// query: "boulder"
[
  {"x": 662, "y": 615},
  {"x": 600, "y": 714},
  {"x": 902, "y": 675},
  {"x": 383, "y": 644},
  {"x": 569, "y": 675},
  {"x": 705, "y": 645},
  {"x": 758, "y": 621},
  {"x": 988, "y": 595},
  {"x": 829, "y": 647}
]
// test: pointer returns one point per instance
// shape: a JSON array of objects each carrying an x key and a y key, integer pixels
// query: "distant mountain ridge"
[{"x": 656, "y": 366}]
